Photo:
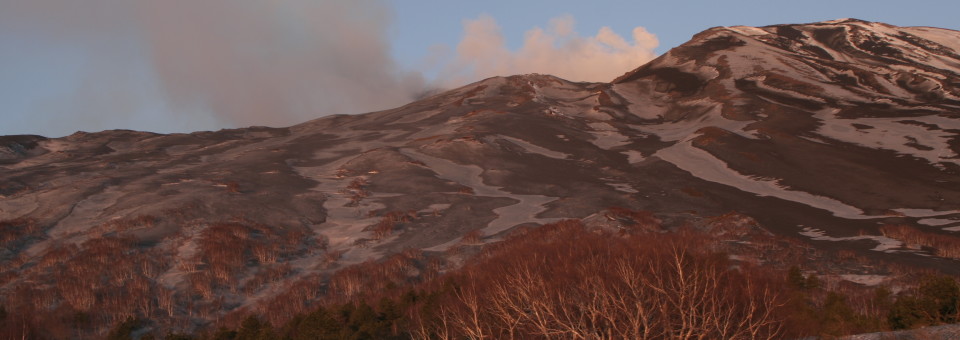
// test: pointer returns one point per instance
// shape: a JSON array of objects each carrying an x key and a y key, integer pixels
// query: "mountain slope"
[{"x": 825, "y": 131}]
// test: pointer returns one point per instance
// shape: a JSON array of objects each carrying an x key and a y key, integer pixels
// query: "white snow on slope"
[
  {"x": 86, "y": 213},
  {"x": 536, "y": 149},
  {"x": 606, "y": 136},
  {"x": 925, "y": 212},
  {"x": 682, "y": 129},
  {"x": 637, "y": 101},
  {"x": 525, "y": 210},
  {"x": 748, "y": 30},
  {"x": 13, "y": 207},
  {"x": 415, "y": 117},
  {"x": 945, "y": 37},
  {"x": 936, "y": 222},
  {"x": 634, "y": 156},
  {"x": 864, "y": 279},
  {"x": 884, "y": 244},
  {"x": 622, "y": 187},
  {"x": 755, "y": 56},
  {"x": 344, "y": 225},
  {"x": 837, "y": 21},
  {"x": 703, "y": 165},
  {"x": 186, "y": 250},
  {"x": 895, "y": 134}
]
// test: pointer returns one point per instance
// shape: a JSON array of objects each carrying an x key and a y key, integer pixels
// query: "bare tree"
[{"x": 580, "y": 285}]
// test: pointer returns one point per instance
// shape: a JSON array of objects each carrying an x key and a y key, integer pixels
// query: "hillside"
[{"x": 836, "y": 136}]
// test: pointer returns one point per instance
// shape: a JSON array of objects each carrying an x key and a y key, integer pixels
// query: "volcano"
[{"x": 823, "y": 132}]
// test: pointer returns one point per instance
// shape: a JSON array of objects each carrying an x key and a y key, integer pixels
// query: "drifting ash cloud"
[{"x": 185, "y": 65}]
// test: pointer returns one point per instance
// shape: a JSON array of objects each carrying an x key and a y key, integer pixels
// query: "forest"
[{"x": 570, "y": 281}]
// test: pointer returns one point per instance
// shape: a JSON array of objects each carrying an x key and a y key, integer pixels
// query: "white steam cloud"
[
  {"x": 218, "y": 63},
  {"x": 185, "y": 65},
  {"x": 558, "y": 50},
  {"x": 276, "y": 62}
]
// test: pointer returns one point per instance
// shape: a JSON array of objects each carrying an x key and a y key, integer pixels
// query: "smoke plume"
[
  {"x": 222, "y": 62},
  {"x": 186, "y": 65},
  {"x": 276, "y": 62}
]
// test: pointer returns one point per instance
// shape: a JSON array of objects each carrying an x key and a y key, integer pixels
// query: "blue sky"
[
  {"x": 181, "y": 66},
  {"x": 420, "y": 24}
]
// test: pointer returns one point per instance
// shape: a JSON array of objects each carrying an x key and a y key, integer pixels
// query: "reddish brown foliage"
[
  {"x": 635, "y": 220},
  {"x": 390, "y": 222},
  {"x": 383, "y": 228},
  {"x": 943, "y": 245},
  {"x": 119, "y": 225},
  {"x": 733, "y": 225},
  {"x": 358, "y": 183},
  {"x": 358, "y": 189},
  {"x": 562, "y": 281},
  {"x": 266, "y": 275},
  {"x": 16, "y": 229},
  {"x": 473, "y": 237},
  {"x": 102, "y": 279}
]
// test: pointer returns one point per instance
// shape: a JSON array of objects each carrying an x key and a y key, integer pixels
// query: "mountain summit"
[{"x": 824, "y": 132}]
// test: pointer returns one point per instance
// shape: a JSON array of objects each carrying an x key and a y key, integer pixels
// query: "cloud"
[
  {"x": 229, "y": 62},
  {"x": 187, "y": 65},
  {"x": 558, "y": 50},
  {"x": 276, "y": 62}
]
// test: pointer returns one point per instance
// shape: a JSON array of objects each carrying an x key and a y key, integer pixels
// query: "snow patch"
[
  {"x": 748, "y": 30},
  {"x": 884, "y": 244},
  {"x": 438, "y": 207},
  {"x": 536, "y": 149},
  {"x": 936, "y": 222},
  {"x": 607, "y": 137},
  {"x": 623, "y": 187},
  {"x": 710, "y": 116},
  {"x": 703, "y": 165},
  {"x": 185, "y": 252},
  {"x": 415, "y": 117},
  {"x": 56, "y": 145},
  {"x": 837, "y": 21},
  {"x": 924, "y": 212},
  {"x": 864, "y": 279},
  {"x": 634, "y": 156},
  {"x": 19, "y": 206},
  {"x": 638, "y": 102},
  {"x": 86, "y": 213},
  {"x": 896, "y": 134},
  {"x": 524, "y": 211},
  {"x": 945, "y": 37}
]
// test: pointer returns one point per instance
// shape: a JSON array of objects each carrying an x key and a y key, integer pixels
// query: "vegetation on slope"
[{"x": 569, "y": 281}]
